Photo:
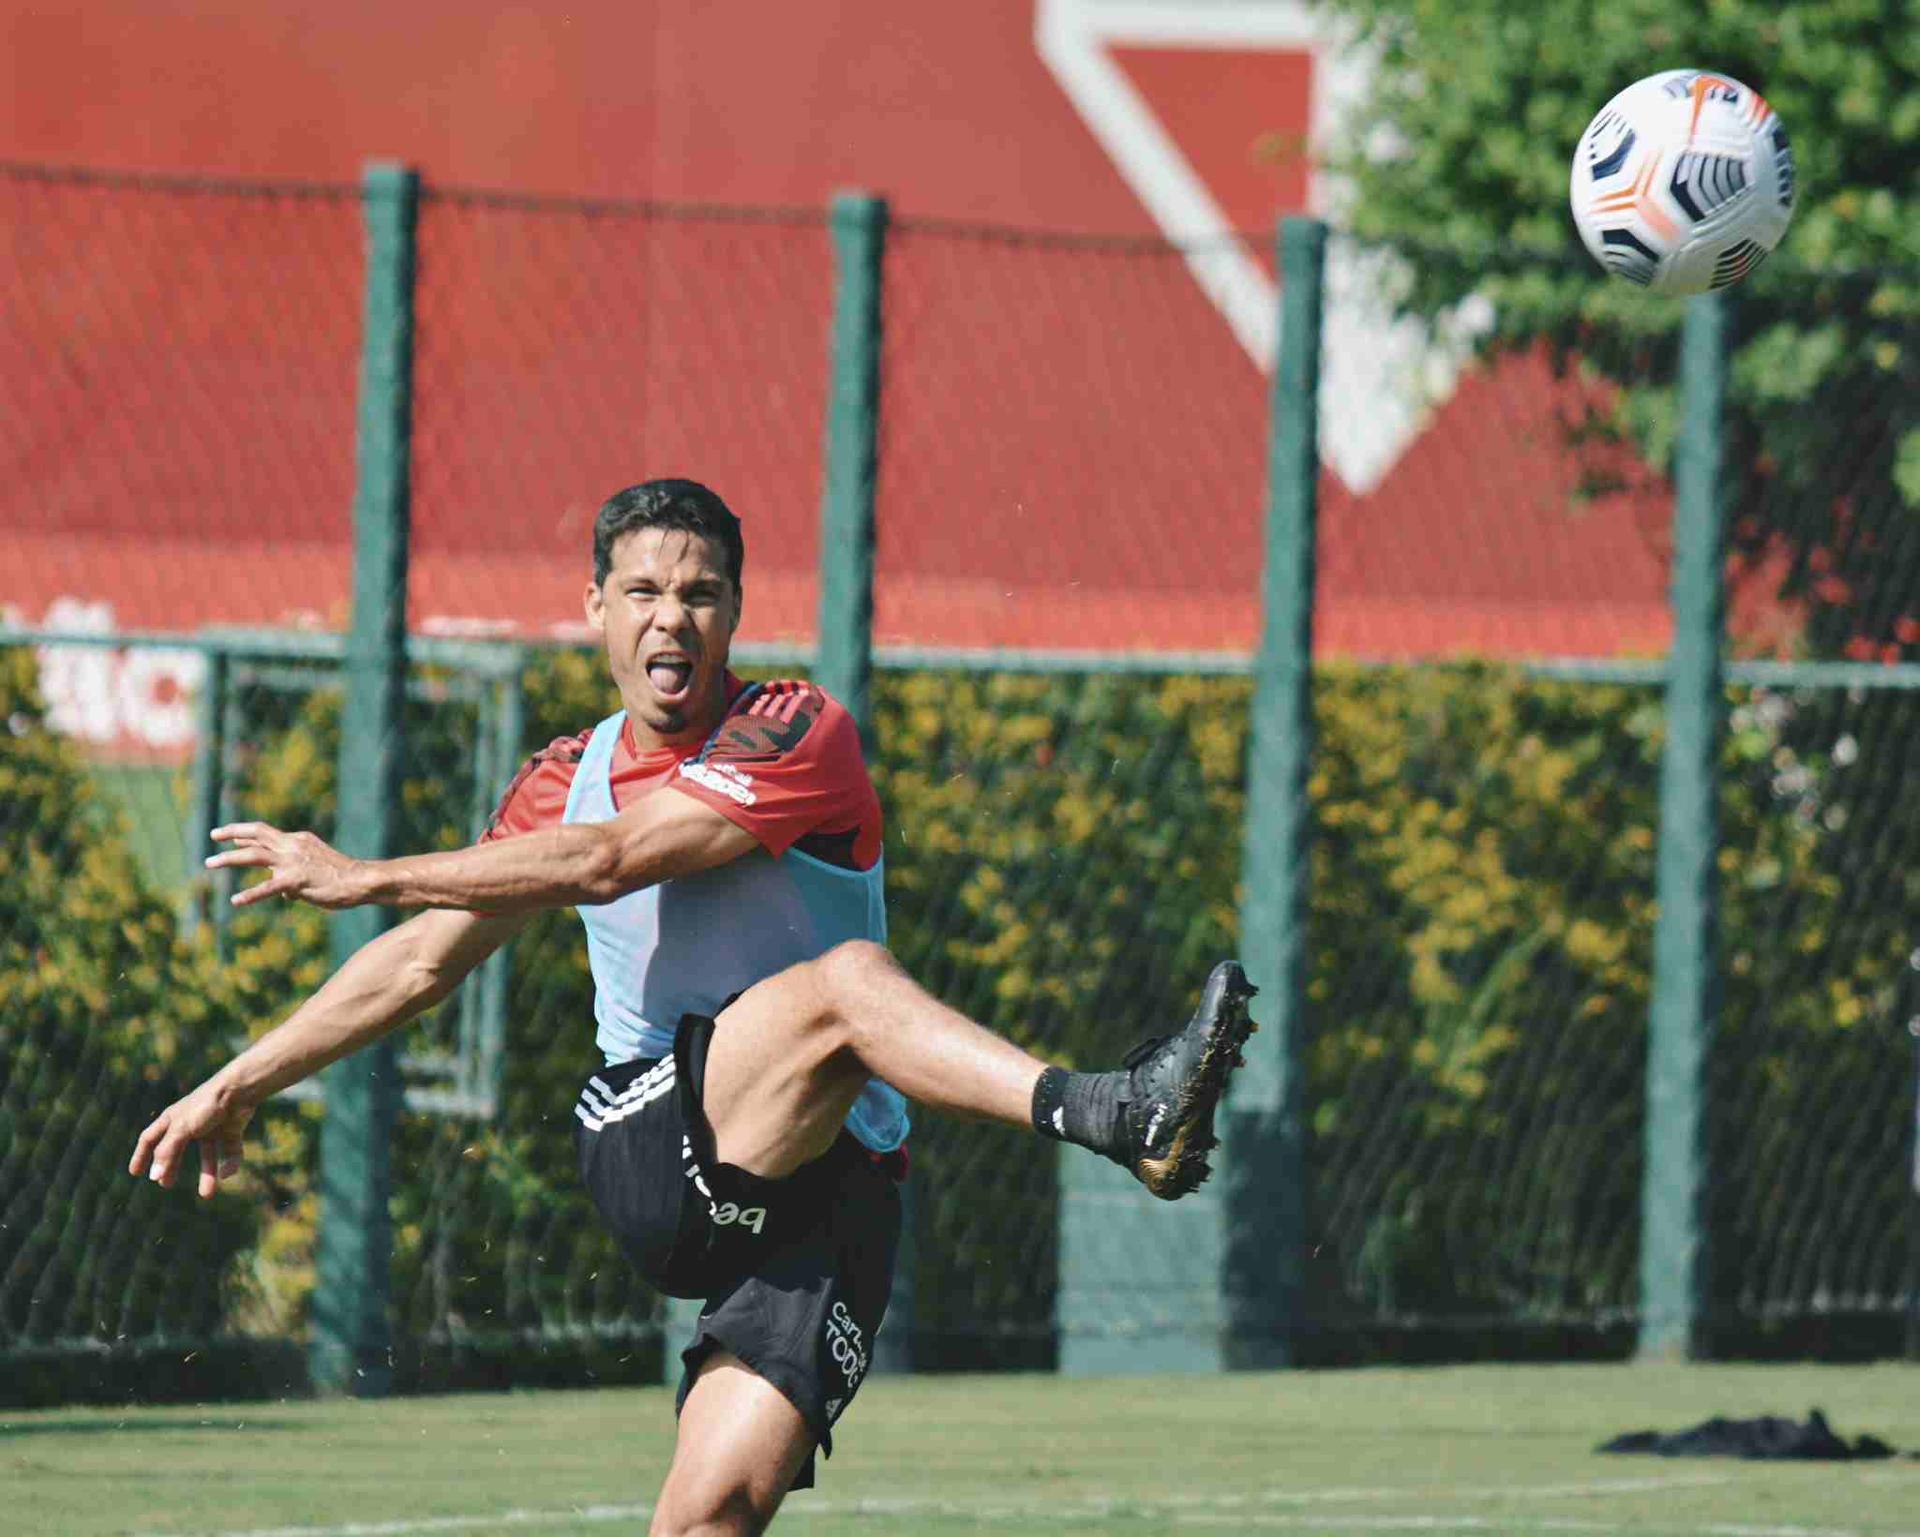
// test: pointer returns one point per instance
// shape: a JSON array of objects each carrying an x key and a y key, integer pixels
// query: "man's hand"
[
  {"x": 207, "y": 1117},
  {"x": 301, "y": 866}
]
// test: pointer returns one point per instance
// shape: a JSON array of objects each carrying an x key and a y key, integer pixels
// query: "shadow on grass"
[{"x": 94, "y": 1426}]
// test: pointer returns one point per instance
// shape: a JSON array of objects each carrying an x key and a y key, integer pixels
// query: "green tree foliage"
[
  {"x": 1463, "y": 151},
  {"x": 1060, "y": 864},
  {"x": 106, "y": 1015},
  {"x": 1482, "y": 921},
  {"x": 1813, "y": 1085}
]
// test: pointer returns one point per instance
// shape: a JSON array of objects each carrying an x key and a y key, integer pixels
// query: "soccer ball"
[{"x": 1683, "y": 182}]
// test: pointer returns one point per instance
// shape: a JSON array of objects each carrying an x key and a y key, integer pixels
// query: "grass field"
[{"x": 1480, "y": 1450}]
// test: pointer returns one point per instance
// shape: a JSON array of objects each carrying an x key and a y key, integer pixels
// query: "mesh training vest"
[{"x": 685, "y": 946}]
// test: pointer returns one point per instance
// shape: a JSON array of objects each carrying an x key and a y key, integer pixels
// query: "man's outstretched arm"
[
  {"x": 661, "y": 836},
  {"x": 386, "y": 983}
]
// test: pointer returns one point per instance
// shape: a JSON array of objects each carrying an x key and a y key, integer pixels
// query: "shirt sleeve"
[
  {"x": 538, "y": 795},
  {"x": 785, "y": 764}
]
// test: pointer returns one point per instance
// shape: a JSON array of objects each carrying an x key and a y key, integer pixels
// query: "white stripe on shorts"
[
  {"x": 643, "y": 1091},
  {"x": 597, "y": 1096}
]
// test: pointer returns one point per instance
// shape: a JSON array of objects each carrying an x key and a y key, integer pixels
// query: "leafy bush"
[
  {"x": 1063, "y": 855},
  {"x": 106, "y": 1015}
]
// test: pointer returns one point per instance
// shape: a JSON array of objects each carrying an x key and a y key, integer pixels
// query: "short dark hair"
[{"x": 685, "y": 506}]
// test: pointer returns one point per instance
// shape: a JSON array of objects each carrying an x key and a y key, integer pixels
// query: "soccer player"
[{"x": 744, "y": 1139}]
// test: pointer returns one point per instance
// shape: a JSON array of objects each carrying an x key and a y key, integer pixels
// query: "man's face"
[{"x": 667, "y": 612}]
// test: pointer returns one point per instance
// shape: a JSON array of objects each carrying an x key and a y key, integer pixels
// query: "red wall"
[
  {"x": 1073, "y": 441},
  {"x": 945, "y": 107}
]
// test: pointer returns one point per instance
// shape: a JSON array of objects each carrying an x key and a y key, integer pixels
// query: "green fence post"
[
  {"x": 496, "y": 973},
  {"x": 351, "y": 1350},
  {"x": 1263, "y": 1153},
  {"x": 234, "y": 728},
  {"x": 1673, "y": 1238},
  {"x": 209, "y": 764},
  {"x": 843, "y": 657},
  {"x": 843, "y": 661},
  {"x": 843, "y": 664},
  {"x": 1913, "y": 1203}
]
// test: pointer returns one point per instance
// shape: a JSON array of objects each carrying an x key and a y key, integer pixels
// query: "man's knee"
[
  {"x": 740, "y": 1445},
  {"x": 851, "y": 969},
  {"x": 711, "y": 1511},
  {"x": 826, "y": 1003}
]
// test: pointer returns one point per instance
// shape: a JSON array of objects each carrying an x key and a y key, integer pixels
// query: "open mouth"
[{"x": 671, "y": 676}]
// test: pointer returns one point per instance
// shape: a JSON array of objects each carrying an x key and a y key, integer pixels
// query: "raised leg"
[{"x": 792, "y": 1053}]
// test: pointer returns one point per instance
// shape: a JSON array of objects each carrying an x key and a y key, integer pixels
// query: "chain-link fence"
[
  {"x": 1072, "y": 458},
  {"x": 1065, "y": 426},
  {"x": 176, "y": 386},
  {"x": 564, "y": 351},
  {"x": 1815, "y": 1074}
]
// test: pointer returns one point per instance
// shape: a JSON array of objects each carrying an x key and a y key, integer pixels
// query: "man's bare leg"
[
  {"x": 741, "y": 1444},
  {"x": 793, "y": 1052}
]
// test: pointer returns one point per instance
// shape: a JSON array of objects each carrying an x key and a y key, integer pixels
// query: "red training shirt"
[{"x": 790, "y": 743}]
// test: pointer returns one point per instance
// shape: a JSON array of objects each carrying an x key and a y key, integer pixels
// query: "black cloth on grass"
[{"x": 1768, "y": 1438}]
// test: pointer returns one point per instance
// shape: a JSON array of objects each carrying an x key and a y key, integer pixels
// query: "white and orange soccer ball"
[{"x": 1683, "y": 182}]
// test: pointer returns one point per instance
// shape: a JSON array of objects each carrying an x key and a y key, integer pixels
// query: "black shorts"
[{"x": 795, "y": 1273}]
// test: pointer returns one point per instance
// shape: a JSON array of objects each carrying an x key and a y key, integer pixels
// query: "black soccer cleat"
[{"x": 1174, "y": 1084}]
